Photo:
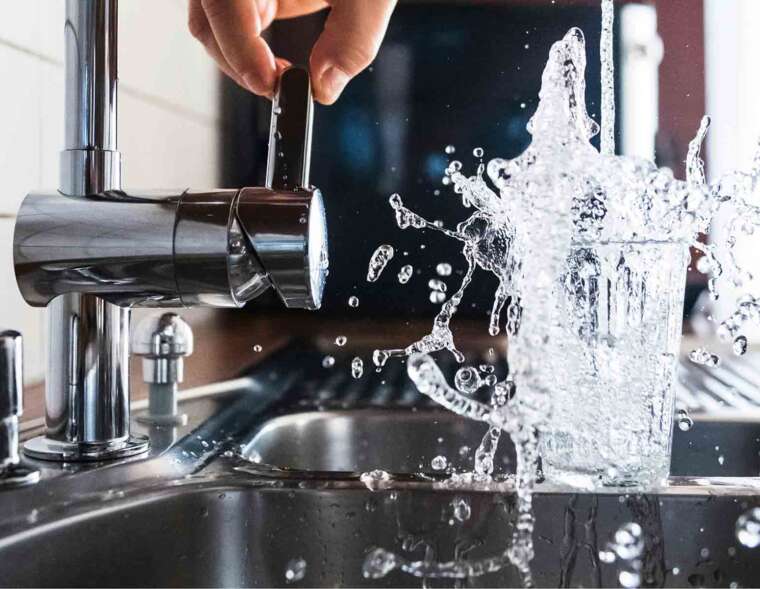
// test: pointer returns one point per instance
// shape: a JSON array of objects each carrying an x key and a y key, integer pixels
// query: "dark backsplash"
[{"x": 446, "y": 74}]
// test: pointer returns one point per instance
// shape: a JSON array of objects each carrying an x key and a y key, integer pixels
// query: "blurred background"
[{"x": 461, "y": 73}]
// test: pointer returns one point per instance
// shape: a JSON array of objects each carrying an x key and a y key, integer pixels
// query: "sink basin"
[
  {"x": 404, "y": 442},
  {"x": 267, "y": 474}
]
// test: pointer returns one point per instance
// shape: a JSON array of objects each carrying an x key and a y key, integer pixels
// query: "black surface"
[{"x": 446, "y": 74}]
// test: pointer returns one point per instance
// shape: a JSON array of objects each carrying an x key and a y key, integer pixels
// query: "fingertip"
[{"x": 330, "y": 85}]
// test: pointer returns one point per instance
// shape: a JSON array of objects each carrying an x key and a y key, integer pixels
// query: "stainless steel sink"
[
  {"x": 268, "y": 471},
  {"x": 405, "y": 442}
]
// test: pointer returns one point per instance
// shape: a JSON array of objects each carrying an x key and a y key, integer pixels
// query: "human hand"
[{"x": 231, "y": 31}]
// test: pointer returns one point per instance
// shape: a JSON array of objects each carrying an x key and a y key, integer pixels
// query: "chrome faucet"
[{"x": 92, "y": 251}]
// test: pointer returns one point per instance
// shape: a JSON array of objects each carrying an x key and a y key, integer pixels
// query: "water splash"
[
  {"x": 748, "y": 528},
  {"x": 295, "y": 570},
  {"x": 375, "y": 480},
  {"x": 357, "y": 367},
  {"x": 405, "y": 274},
  {"x": 587, "y": 231},
  {"x": 379, "y": 260}
]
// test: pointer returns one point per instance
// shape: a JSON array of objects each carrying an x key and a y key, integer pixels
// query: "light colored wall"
[
  {"x": 733, "y": 94},
  {"x": 168, "y": 118}
]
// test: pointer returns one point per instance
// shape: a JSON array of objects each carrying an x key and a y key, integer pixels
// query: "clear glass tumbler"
[{"x": 613, "y": 364}]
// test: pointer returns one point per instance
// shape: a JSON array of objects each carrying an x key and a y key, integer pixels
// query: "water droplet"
[
  {"x": 378, "y": 564},
  {"x": 405, "y": 274},
  {"x": 467, "y": 380},
  {"x": 437, "y": 297},
  {"x": 740, "y": 345},
  {"x": 685, "y": 423},
  {"x": 607, "y": 556},
  {"x": 629, "y": 579},
  {"x": 380, "y": 357},
  {"x": 357, "y": 367},
  {"x": 439, "y": 463},
  {"x": 704, "y": 357},
  {"x": 748, "y": 528},
  {"x": 353, "y": 301},
  {"x": 379, "y": 260},
  {"x": 443, "y": 269},
  {"x": 328, "y": 362},
  {"x": 257, "y": 348},
  {"x": 721, "y": 459},
  {"x": 628, "y": 542},
  {"x": 435, "y": 284},
  {"x": 461, "y": 508},
  {"x": 295, "y": 570},
  {"x": 375, "y": 480},
  {"x": 450, "y": 149},
  {"x": 341, "y": 340},
  {"x": 478, "y": 152}
]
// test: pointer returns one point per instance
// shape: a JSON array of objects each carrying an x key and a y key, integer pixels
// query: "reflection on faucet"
[{"x": 93, "y": 251}]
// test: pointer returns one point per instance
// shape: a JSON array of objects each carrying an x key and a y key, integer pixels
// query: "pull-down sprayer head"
[{"x": 188, "y": 248}]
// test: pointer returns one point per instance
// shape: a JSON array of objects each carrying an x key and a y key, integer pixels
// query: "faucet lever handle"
[{"x": 289, "y": 156}]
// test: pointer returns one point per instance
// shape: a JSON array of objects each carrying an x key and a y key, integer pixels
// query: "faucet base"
[
  {"x": 18, "y": 475},
  {"x": 44, "y": 448}
]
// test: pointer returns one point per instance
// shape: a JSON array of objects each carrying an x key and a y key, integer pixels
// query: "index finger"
[{"x": 236, "y": 25}]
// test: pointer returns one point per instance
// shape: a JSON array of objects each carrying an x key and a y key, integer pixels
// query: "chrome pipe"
[
  {"x": 90, "y": 161},
  {"x": 87, "y": 383},
  {"x": 12, "y": 472}
]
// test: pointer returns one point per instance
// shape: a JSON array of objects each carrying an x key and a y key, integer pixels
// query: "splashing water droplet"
[
  {"x": 439, "y": 463},
  {"x": 295, "y": 570},
  {"x": 685, "y": 423},
  {"x": 405, "y": 274},
  {"x": 375, "y": 480},
  {"x": 437, "y": 297},
  {"x": 378, "y": 564},
  {"x": 357, "y": 367},
  {"x": 435, "y": 284},
  {"x": 748, "y": 528},
  {"x": 628, "y": 542},
  {"x": 467, "y": 380},
  {"x": 380, "y": 357},
  {"x": 704, "y": 357},
  {"x": 379, "y": 260},
  {"x": 461, "y": 509},
  {"x": 629, "y": 579},
  {"x": 740, "y": 345},
  {"x": 607, "y": 556},
  {"x": 443, "y": 269}
]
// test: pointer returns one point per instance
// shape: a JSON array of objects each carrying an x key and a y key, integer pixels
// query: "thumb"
[{"x": 350, "y": 41}]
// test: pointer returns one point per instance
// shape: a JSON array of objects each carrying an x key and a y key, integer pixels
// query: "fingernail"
[{"x": 333, "y": 81}]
